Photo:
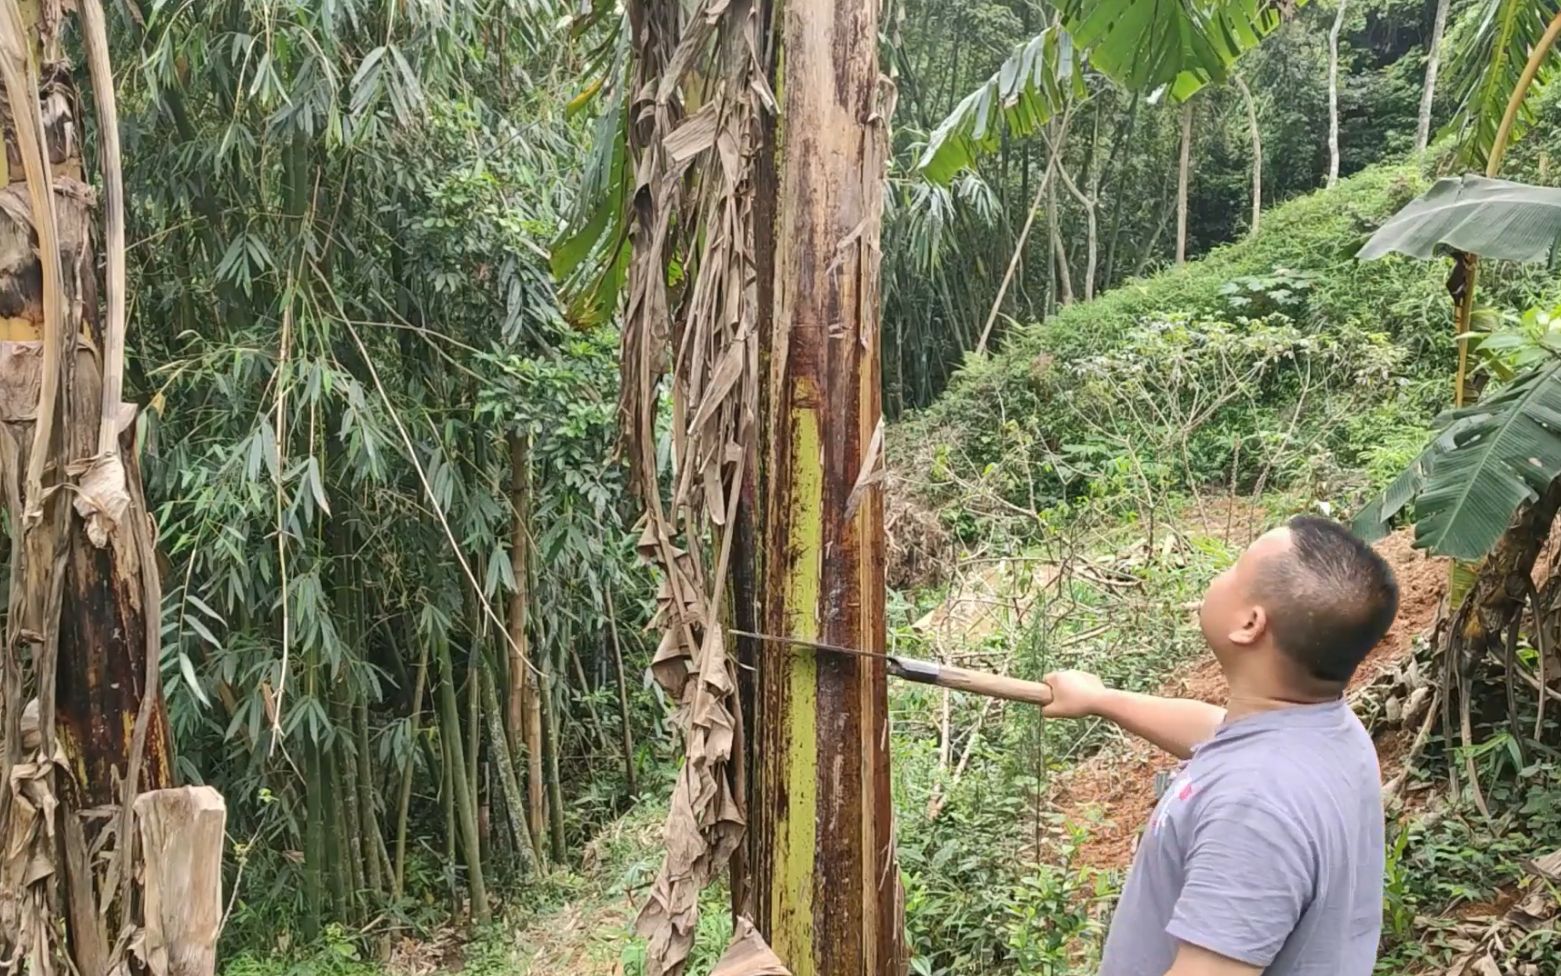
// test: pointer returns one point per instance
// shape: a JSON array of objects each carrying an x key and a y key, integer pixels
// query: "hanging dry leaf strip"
[{"x": 690, "y": 204}]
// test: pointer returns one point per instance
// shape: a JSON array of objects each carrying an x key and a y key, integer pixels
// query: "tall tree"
[
  {"x": 1433, "y": 63},
  {"x": 85, "y": 593}
]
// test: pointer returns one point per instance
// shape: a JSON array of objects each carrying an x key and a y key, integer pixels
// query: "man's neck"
[{"x": 1253, "y": 696}]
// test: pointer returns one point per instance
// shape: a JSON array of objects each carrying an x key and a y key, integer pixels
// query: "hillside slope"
[{"x": 1274, "y": 360}]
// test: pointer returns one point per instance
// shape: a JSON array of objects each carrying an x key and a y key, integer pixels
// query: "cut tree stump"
[{"x": 182, "y": 833}]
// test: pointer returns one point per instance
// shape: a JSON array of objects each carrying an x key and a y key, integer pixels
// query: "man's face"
[{"x": 1231, "y": 618}]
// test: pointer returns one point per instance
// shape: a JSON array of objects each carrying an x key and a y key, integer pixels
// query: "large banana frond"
[
  {"x": 590, "y": 259},
  {"x": 1143, "y": 45},
  {"x": 1178, "y": 45},
  {"x": 1024, "y": 94},
  {"x": 1496, "y": 219},
  {"x": 1484, "y": 463},
  {"x": 1488, "y": 52}
]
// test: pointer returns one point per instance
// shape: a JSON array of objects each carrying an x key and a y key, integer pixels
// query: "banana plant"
[{"x": 1501, "y": 66}]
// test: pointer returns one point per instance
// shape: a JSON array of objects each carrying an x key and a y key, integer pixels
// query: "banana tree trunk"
[
  {"x": 84, "y": 600},
  {"x": 827, "y": 886}
]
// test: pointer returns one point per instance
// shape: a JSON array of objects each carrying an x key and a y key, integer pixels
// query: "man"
[{"x": 1265, "y": 854}]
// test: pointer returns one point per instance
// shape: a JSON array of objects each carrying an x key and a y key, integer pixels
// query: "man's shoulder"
[{"x": 1290, "y": 767}]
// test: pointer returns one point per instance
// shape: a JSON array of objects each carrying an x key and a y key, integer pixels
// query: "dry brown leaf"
[
  {"x": 101, "y": 497},
  {"x": 749, "y": 955}
]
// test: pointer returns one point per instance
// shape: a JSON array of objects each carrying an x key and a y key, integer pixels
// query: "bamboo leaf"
[{"x": 187, "y": 669}]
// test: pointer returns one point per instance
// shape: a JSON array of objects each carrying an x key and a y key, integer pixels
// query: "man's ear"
[{"x": 1254, "y": 621}]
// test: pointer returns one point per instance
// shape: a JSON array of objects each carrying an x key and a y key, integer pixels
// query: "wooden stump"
[{"x": 182, "y": 833}]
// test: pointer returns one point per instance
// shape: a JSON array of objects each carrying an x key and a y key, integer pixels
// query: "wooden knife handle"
[{"x": 993, "y": 685}]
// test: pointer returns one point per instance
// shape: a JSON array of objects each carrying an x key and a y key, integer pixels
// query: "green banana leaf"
[
  {"x": 1024, "y": 94},
  {"x": 1491, "y": 218},
  {"x": 1149, "y": 46},
  {"x": 1485, "y": 462},
  {"x": 1180, "y": 45}
]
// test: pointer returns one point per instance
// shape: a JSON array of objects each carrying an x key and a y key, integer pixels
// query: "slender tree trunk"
[
  {"x": 1433, "y": 63},
  {"x": 1333, "y": 93},
  {"x": 1257, "y": 152},
  {"x": 1183, "y": 177},
  {"x": 338, "y": 874},
  {"x": 314, "y": 840},
  {"x": 1063, "y": 276},
  {"x": 1088, "y": 201},
  {"x": 1108, "y": 275},
  {"x": 828, "y": 893},
  {"x": 525, "y": 699},
  {"x": 373, "y": 839},
  {"x": 519, "y": 554},
  {"x": 352, "y": 815},
  {"x": 514, "y": 801}
]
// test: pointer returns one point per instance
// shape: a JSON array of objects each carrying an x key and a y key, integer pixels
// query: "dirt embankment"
[{"x": 1113, "y": 791}]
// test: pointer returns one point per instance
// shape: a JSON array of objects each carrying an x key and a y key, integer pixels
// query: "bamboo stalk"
[
  {"x": 555, "y": 791},
  {"x": 369, "y": 826},
  {"x": 623, "y": 700},
  {"x": 314, "y": 842},
  {"x": 461, "y": 788},
  {"x": 340, "y": 879},
  {"x": 403, "y": 805},
  {"x": 514, "y": 802}
]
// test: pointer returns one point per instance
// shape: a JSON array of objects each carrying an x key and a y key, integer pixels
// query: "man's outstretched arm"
[{"x": 1174, "y": 724}]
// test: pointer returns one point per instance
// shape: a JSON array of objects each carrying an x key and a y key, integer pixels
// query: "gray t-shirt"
[{"x": 1266, "y": 848}]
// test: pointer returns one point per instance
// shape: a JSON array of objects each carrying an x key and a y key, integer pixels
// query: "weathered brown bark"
[
  {"x": 85, "y": 595},
  {"x": 181, "y": 834},
  {"x": 827, "y": 887}
]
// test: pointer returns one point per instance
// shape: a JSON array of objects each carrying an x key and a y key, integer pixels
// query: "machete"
[{"x": 928, "y": 672}]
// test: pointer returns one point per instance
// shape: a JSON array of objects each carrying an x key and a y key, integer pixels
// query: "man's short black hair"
[{"x": 1330, "y": 599}]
